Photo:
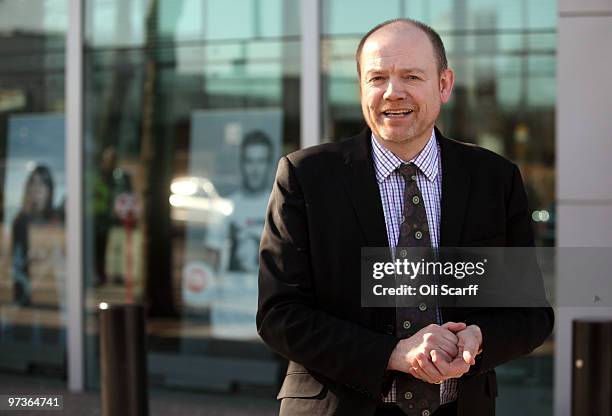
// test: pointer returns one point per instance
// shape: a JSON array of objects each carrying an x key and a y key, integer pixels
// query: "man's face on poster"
[{"x": 255, "y": 165}]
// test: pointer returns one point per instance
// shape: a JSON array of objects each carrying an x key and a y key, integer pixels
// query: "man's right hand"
[{"x": 413, "y": 355}]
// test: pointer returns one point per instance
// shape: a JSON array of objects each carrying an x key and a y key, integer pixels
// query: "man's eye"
[
  {"x": 376, "y": 78},
  {"x": 412, "y": 77}
]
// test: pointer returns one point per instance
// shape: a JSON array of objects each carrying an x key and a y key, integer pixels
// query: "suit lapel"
[
  {"x": 362, "y": 188},
  {"x": 455, "y": 191}
]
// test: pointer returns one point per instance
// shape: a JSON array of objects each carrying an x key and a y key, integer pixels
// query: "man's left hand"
[{"x": 470, "y": 341}]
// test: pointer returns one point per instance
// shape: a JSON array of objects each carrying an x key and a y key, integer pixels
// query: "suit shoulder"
[
  {"x": 322, "y": 156},
  {"x": 479, "y": 157}
]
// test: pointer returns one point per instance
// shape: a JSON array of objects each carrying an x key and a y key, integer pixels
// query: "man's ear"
[{"x": 447, "y": 80}]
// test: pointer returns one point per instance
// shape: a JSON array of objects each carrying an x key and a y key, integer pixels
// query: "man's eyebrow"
[{"x": 411, "y": 70}]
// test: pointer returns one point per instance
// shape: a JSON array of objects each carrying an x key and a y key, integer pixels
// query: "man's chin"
[{"x": 397, "y": 137}]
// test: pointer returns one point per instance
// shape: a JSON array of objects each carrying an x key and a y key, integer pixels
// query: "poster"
[
  {"x": 34, "y": 193},
  {"x": 223, "y": 202}
]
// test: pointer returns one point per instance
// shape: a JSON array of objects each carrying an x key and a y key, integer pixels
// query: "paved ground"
[{"x": 161, "y": 403}]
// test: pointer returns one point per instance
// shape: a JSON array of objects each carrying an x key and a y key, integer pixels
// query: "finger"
[
  {"x": 417, "y": 372},
  {"x": 468, "y": 357},
  {"x": 449, "y": 368},
  {"x": 442, "y": 337},
  {"x": 438, "y": 355},
  {"x": 454, "y": 326},
  {"x": 447, "y": 335},
  {"x": 450, "y": 348},
  {"x": 470, "y": 347},
  {"x": 441, "y": 360},
  {"x": 428, "y": 368},
  {"x": 421, "y": 375},
  {"x": 458, "y": 367}
]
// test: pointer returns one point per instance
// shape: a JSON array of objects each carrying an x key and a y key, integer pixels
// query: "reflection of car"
[{"x": 195, "y": 199}]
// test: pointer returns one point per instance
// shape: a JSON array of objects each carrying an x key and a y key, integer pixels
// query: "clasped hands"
[{"x": 437, "y": 352}]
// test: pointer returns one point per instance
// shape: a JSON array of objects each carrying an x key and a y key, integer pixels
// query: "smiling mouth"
[{"x": 397, "y": 113}]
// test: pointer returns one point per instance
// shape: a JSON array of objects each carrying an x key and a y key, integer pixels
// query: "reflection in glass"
[
  {"x": 503, "y": 55},
  {"x": 32, "y": 187},
  {"x": 197, "y": 100}
]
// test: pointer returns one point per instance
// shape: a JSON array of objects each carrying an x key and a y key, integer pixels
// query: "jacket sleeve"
[
  {"x": 289, "y": 319},
  {"x": 514, "y": 331}
]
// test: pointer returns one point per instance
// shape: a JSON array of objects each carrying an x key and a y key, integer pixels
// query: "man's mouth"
[{"x": 397, "y": 113}]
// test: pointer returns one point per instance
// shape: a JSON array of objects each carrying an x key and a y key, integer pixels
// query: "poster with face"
[
  {"x": 232, "y": 163},
  {"x": 34, "y": 191}
]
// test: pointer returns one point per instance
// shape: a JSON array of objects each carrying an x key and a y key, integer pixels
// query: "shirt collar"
[{"x": 386, "y": 162}]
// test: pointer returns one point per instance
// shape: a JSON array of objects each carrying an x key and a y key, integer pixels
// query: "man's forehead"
[
  {"x": 381, "y": 58},
  {"x": 400, "y": 61},
  {"x": 393, "y": 43}
]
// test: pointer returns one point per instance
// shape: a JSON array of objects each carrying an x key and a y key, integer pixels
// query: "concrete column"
[{"x": 584, "y": 156}]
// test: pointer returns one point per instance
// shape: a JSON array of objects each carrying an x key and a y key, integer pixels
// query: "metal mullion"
[
  {"x": 310, "y": 80},
  {"x": 74, "y": 195}
]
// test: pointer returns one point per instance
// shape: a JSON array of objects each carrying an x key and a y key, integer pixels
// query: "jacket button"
[
  {"x": 407, "y": 324},
  {"x": 408, "y": 395}
]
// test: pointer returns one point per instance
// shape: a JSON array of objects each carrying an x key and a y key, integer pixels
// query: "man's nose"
[{"x": 394, "y": 90}]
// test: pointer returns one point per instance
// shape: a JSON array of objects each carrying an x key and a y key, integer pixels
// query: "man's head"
[
  {"x": 403, "y": 80},
  {"x": 255, "y": 161}
]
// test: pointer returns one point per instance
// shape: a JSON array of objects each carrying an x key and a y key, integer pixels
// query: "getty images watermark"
[
  {"x": 432, "y": 269},
  {"x": 451, "y": 277}
]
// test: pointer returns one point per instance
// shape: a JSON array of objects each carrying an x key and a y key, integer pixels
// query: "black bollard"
[
  {"x": 592, "y": 369},
  {"x": 123, "y": 357}
]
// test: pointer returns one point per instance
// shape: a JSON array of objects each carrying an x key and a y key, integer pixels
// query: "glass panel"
[
  {"x": 503, "y": 55},
  {"x": 32, "y": 187},
  {"x": 186, "y": 117},
  {"x": 349, "y": 16}
]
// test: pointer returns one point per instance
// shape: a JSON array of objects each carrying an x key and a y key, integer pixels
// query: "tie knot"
[{"x": 407, "y": 170}]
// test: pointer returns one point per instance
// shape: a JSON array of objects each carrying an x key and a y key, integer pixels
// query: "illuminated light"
[
  {"x": 540, "y": 216},
  {"x": 103, "y": 305},
  {"x": 184, "y": 187},
  {"x": 208, "y": 187},
  {"x": 225, "y": 207},
  {"x": 174, "y": 200}
]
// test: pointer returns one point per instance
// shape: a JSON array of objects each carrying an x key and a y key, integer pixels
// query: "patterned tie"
[{"x": 413, "y": 396}]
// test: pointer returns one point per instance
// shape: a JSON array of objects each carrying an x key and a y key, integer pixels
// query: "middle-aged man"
[{"x": 331, "y": 200}]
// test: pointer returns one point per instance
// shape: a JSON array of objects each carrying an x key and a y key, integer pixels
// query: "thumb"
[
  {"x": 470, "y": 348},
  {"x": 454, "y": 326}
]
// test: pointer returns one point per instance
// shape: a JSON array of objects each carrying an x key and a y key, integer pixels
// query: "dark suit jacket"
[{"x": 325, "y": 205}]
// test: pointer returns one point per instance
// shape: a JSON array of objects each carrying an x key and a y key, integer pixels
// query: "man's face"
[
  {"x": 401, "y": 87},
  {"x": 255, "y": 166}
]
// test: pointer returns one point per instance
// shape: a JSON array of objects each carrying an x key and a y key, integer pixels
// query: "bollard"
[
  {"x": 592, "y": 367},
  {"x": 123, "y": 355}
]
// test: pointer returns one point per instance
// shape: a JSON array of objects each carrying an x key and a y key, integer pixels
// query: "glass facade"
[
  {"x": 32, "y": 187},
  {"x": 188, "y": 104},
  {"x": 503, "y": 55}
]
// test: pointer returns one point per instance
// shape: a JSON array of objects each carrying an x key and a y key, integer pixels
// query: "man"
[
  {"x": 235, "y": 303},
  {"x": 328, "y": 201},
  {"x": 246, "y": 222}
]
